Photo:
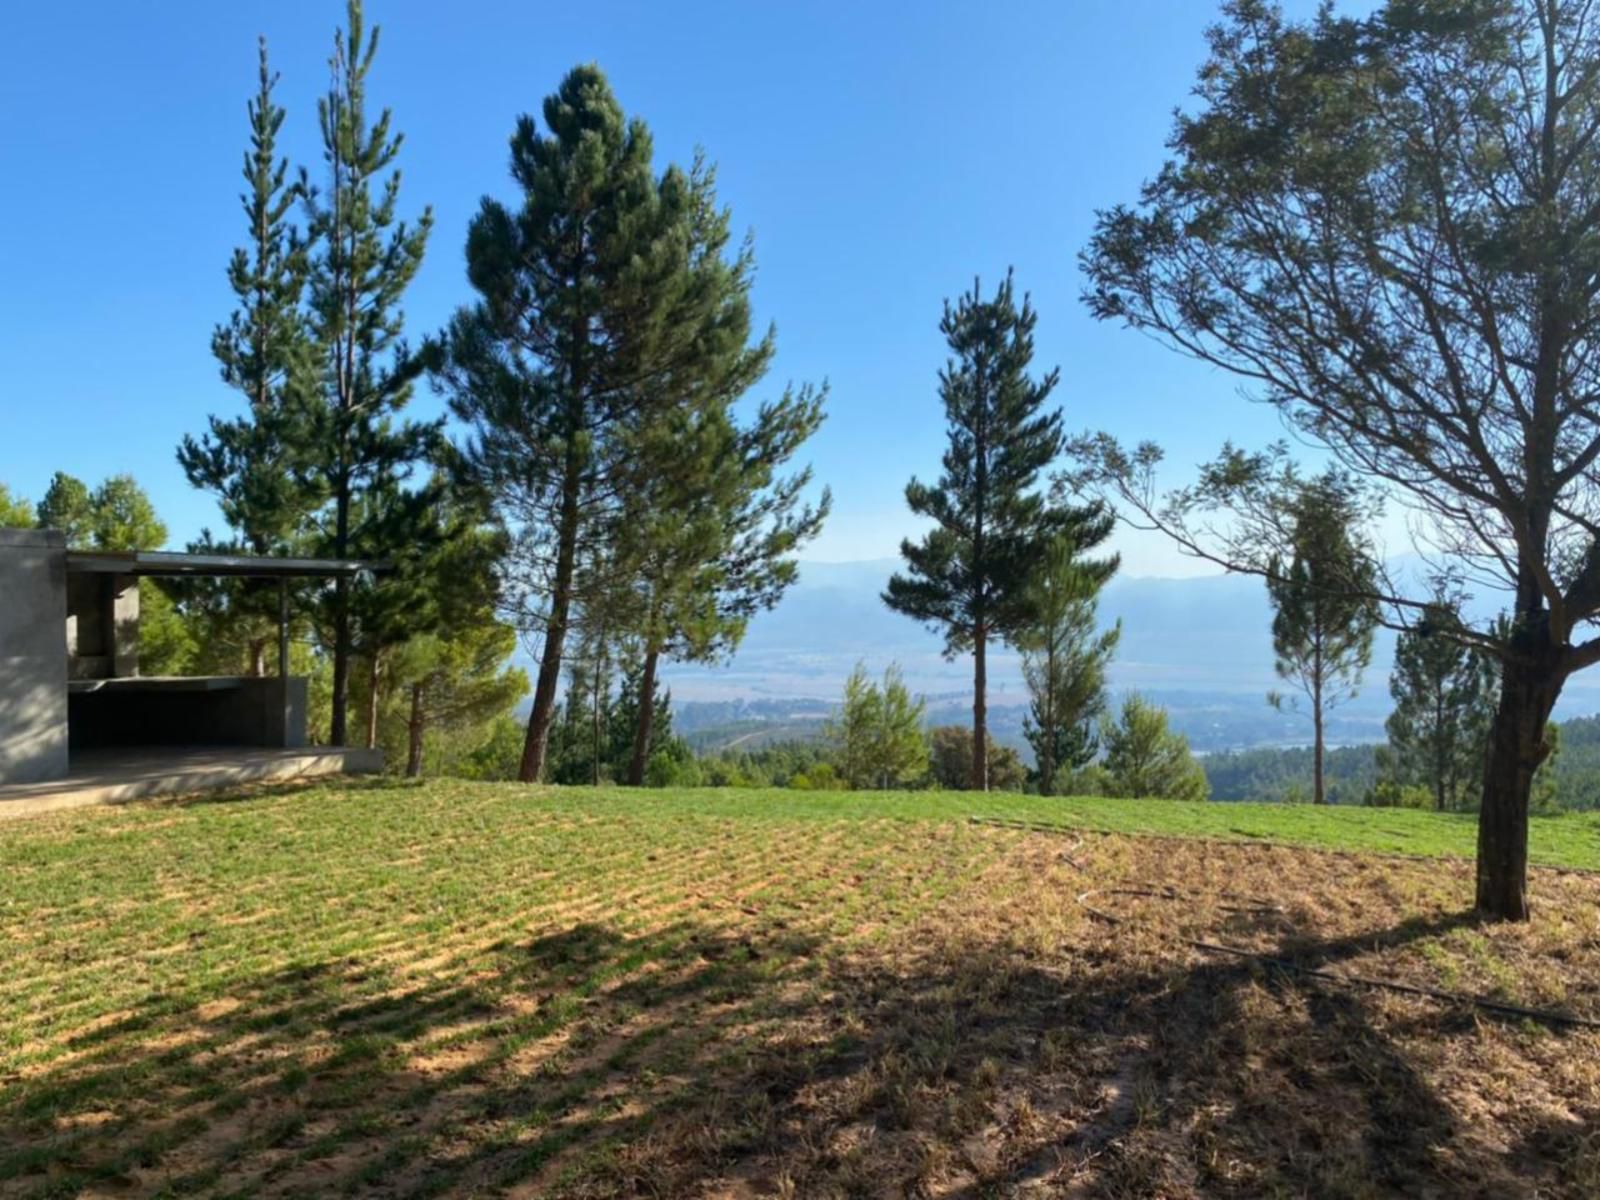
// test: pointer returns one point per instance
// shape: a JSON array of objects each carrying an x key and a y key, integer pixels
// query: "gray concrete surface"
[
  {"x": 118, "y": 776},
  {"x": 33, "y": 655}
]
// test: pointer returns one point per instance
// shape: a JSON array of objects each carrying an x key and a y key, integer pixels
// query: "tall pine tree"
[
  {"x": 356, "y": 452},
  {"x": 968, "y": 576},
  {"x": 267, "y": 356},
  {"x": 594, "y": 310},
  {"x": 707, "y": 528},
  {"x": 264, "y": 351},
  {"x": 707, "y": 541}
]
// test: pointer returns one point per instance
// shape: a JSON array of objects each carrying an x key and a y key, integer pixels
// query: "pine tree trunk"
[
  {"x": 1441, "y": 751},
  {"x": 980, "y": 565},
  {"x": 1316, "y": 755},
  {"x": 341, "y": 621},
  {"x": 374, "y": 670},
  {"x": 1317, "y": 783},
  {"x": 1517, "y": 747},
  {"x": 258, "y": 657},
  {"x": 1047, "y": 760},
  {"x": 980, "y": 713},
  {"x": 555, "y": 637},
  {"x": 414, "y": 730},
  {"x": 647, "y": 713},
  {"x": 594, "y": 760},
  {"x": 1319, "y": 795}
]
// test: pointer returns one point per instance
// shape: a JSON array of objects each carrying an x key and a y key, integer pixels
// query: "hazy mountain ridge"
[{"x": 1201, "y": 646}]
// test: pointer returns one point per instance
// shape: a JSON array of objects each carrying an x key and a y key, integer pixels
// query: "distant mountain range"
[{"x": 1200, "y": 646}]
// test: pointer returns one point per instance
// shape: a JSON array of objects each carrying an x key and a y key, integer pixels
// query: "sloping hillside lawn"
[{"x": 456, "y": 989}]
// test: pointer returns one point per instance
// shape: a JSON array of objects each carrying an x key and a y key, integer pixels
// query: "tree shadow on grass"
[{"x": 757, "y": 1060}]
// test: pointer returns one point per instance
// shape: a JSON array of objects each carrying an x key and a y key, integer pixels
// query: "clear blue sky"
[{"x": 882, "y": 155}]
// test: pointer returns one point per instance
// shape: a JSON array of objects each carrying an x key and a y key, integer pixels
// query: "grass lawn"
[{"x": 458, "y": 989}]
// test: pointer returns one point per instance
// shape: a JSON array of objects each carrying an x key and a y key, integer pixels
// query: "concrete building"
[{"x": 73, "y": 704}]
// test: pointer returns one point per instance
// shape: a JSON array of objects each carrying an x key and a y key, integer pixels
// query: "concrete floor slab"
[{"x": 116, "y": 776}]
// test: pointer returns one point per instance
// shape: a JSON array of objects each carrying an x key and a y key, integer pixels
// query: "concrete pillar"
[
  {"x": 122, "y": 603},
  {"x": 33, "y": 655}
]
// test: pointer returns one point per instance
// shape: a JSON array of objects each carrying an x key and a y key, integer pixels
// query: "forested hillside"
[{"x": 1270, "y": 773}]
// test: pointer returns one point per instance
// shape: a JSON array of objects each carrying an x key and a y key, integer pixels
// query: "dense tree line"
[{"x": 606, "y": 484}]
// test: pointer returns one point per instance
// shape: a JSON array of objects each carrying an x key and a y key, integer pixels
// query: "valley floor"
[{"x": 458, "y": 989}]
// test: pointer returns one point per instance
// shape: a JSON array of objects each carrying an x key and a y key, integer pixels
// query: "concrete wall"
[
  {"x": 33, "y": 656},
  {"x": 102, "y": 626}
]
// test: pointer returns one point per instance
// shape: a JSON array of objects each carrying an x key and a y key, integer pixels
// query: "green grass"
[
  {"x": 414, "y": 990},
  {"x": 1569, "y": 840}
]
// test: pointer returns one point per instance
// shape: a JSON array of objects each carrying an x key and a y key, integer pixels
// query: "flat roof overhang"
[{"x": 169, "y": 564}]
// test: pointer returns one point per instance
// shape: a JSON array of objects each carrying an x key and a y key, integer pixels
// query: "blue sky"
[{"x": 882, "y": 155}]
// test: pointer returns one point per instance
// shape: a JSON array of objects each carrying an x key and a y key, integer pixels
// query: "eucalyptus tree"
[{"x": 1388, "y": 226}]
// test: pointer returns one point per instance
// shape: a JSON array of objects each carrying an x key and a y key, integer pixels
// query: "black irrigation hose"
[{"x": 1253, "y": 904}]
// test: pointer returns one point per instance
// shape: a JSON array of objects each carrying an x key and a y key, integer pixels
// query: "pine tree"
[
  {"x": 898, "y": 748},
  {"x": 1144, "y": 758},
  {"x": 265, "y": 354},
  {"x": 1444, "y": 694},
  {"x": 1064, "y": 662},
  {"x": 356, "y": 453},
  {"x": 624, "y": 715},
  {"x": 877, "y": 733},
  {"x": 968, "y": 577},
  {"x": 1324, "y": 611},
  {"x": 708, "y": 537},
  {"x": 850, "y": 730},
  {"x": 706, "y": 530},
  {"x": 442, "y": 560},
  {"x": 455, "y": 681},
  {"x": 593, "y": 314},
  {"x": 580, "y": 738},
  {"x": 264, "y": 351}
]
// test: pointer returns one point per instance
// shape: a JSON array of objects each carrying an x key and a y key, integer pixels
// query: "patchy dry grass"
[{"x": 460, "y": 990}]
